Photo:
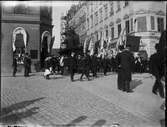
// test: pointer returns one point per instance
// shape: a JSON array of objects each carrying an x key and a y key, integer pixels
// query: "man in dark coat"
[
  {"x": 157, "y": 70},
  {"x": 72, "y": 65},
  {"x": 26, "y": 65},
  {"x": 105, "y": 65},
  {"x": 14, "y": 65},
  {"x": 94, "y": 65},
  {"x": 125, "y": 62},
  {"x": 85, "y": 66}
]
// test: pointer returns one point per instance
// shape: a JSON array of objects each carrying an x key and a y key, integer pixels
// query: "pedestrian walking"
[
  {"x": 157, "y": 70},
  {"x": 124, "y": 62},
  {"x": 94, "y": 65},
  {"x": 14, "y": 65},
  {"x": 79, "y": 64},
  {"x": 26, "y": 65},
  {"x": 72, "y": 65},
  {"x": 85, "y": 62}
]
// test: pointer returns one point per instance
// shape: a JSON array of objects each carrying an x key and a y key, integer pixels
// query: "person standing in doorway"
[{"x": 14, "y": 65}]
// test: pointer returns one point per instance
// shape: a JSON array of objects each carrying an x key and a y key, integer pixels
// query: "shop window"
[{"x": 160, "y": 22}]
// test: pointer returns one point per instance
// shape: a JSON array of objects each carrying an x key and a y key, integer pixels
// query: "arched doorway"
[
  {"x": 19, "y": 43},
  {"x": 45, "y": 46}
]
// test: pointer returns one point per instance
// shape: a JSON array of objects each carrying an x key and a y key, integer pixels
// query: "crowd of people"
[
  {"x": 88, "y": 65},
  {"x": 124, "y": 63}
]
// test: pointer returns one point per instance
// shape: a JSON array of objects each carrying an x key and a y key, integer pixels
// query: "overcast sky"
[{"x": 58, "y": 9}]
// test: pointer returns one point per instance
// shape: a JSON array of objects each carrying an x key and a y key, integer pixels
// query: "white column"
[{"x": 148, "y": 22}]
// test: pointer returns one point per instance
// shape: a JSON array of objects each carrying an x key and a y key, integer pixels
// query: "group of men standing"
[
  {"x": 85, "y": 63},
  {"x": 27, "y": 64}
]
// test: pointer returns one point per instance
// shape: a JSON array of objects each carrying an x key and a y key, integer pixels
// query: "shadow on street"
[
  {"x": 12, "y": 114},
  {"x": 99, "y": 123},
  {"x": 16, "y": 117},
  {"x": 75, "y": 121}
]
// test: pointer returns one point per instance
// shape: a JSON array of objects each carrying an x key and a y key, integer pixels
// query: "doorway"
[
  {"x": 19, "y": 44},
  {"x": 44, "y": 52}
]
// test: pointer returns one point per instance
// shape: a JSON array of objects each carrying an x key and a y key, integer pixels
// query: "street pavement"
[{"x": 35, "y": 101}]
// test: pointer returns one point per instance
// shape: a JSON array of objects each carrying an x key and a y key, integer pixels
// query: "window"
[
  {"x": 141, "y": 24},
  {"x": 160, "y": 22},
  {"x": 34, "y": 54},
  {"x": 131, "y": 22},
  {"x": 127, "y": 26},
  {"x": 92, "y": 7},
  {"x": 91, "y": 17},
  {"x": 112, "y": 33},
  {"x": 96, "y": 18},
  {"x": 106, "y": 32},
  {"x": 119, "y": 29},
  {"x": 88, "y": 22},
  {"x": 152, "y": 23},
  {"x": 126, "y": 3},
  {"x": 111, "y": 9},
  {"x": 106, "y": 11},
  {"x": 118, "y": 6},
  {"x": 101, "y": 14}
]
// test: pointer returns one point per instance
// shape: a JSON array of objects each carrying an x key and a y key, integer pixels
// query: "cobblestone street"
[{"x": 60, "y": 102}]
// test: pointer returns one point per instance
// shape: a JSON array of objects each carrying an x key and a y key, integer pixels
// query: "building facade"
[
  {"x": 77, "y": 20},
  {"x": 25, "y": 29},
  {"x": 63, "y": 24},
  {"x": 106, "y": 19}
]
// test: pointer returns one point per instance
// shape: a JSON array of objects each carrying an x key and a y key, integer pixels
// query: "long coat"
[
  {"x": 156, "y": 65},
  {"x": 72, "y": 63},
  {"x": 124, "y": 62}
]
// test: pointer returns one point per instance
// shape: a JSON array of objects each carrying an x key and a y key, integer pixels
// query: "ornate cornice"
[
  {"x": 22, "y": 22},
  {"x": 160, "y": 12}
]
